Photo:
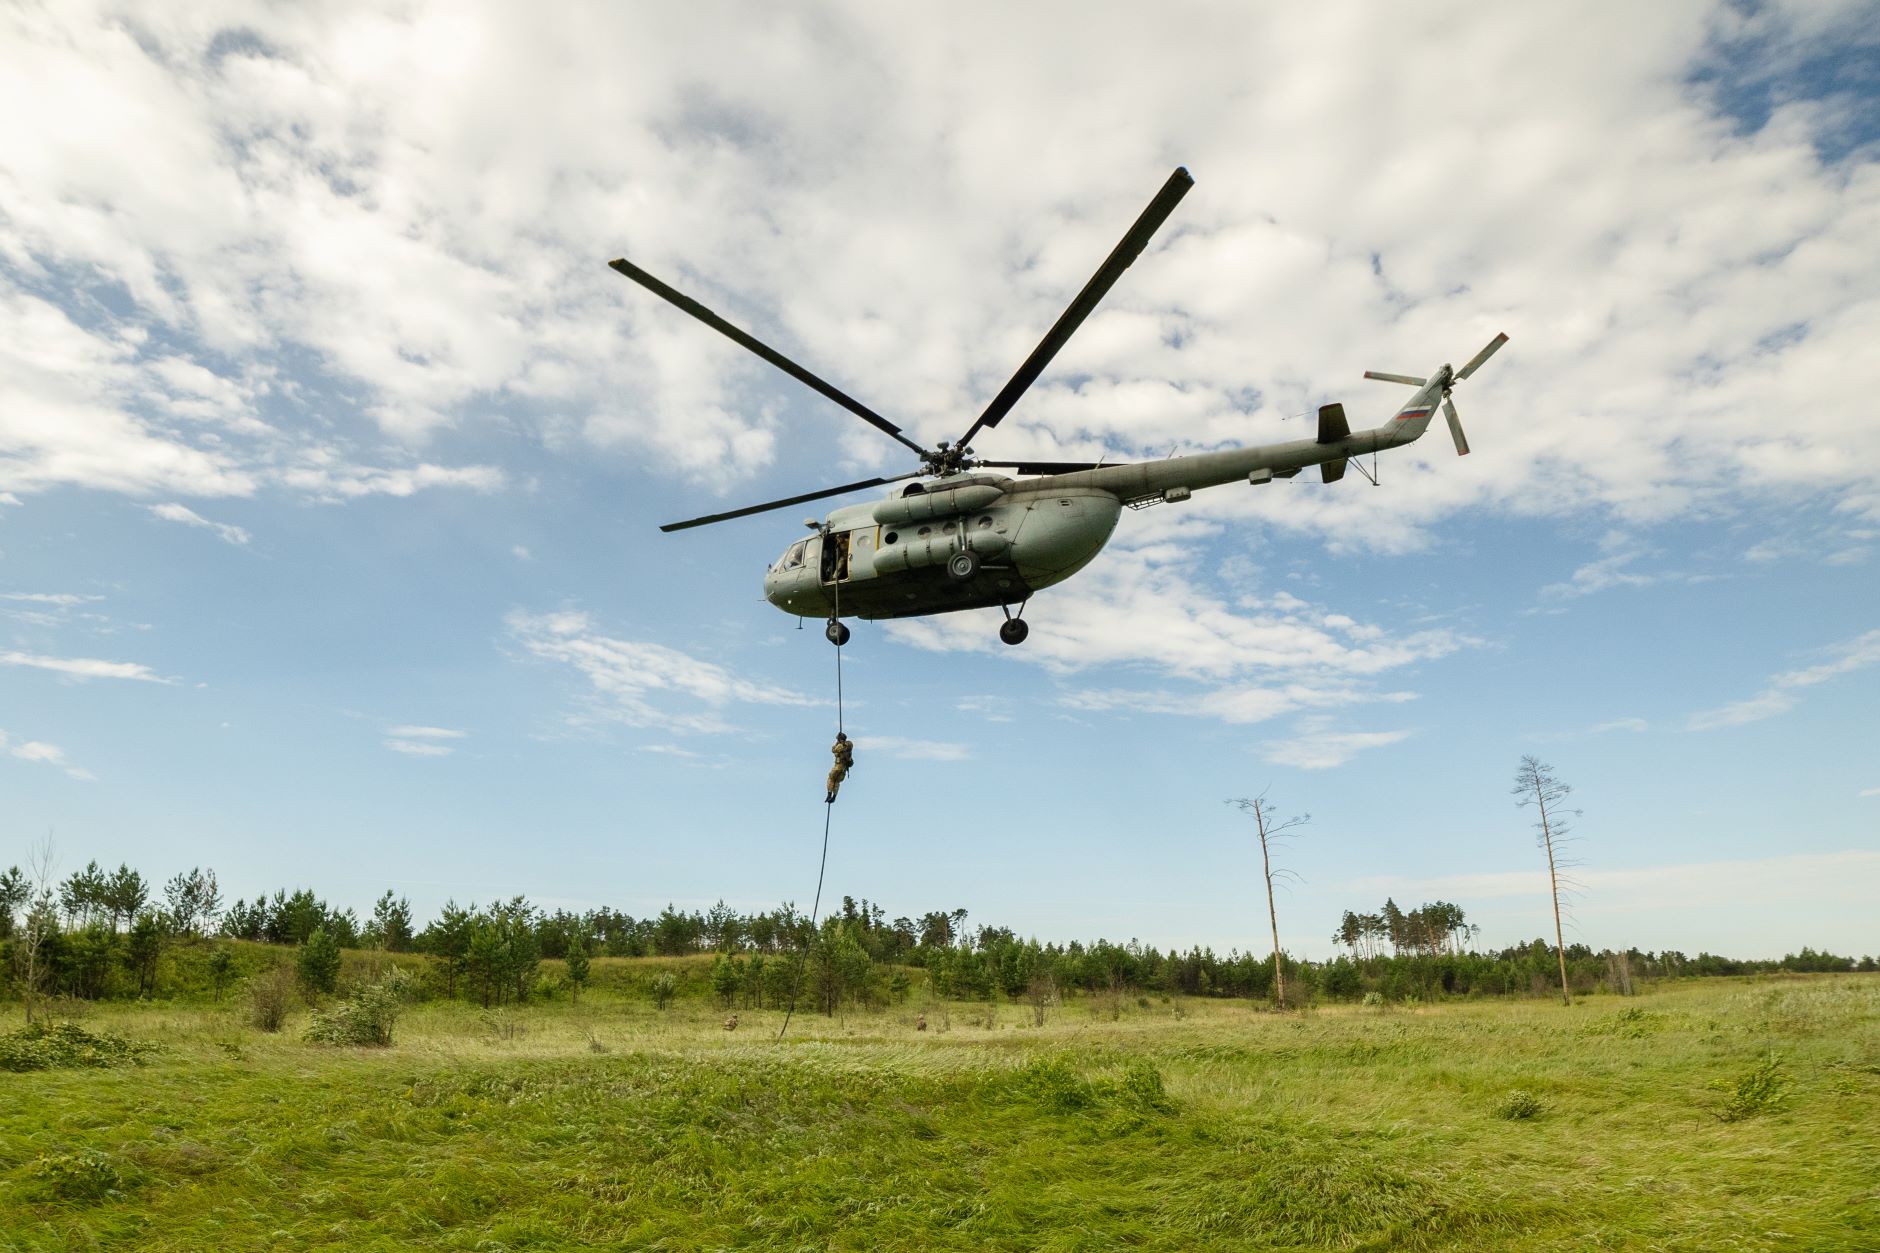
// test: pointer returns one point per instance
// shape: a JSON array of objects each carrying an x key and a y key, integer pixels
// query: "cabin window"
[
  {"x": 985, "y": 522},
  {"x": 926, "y": 530},
  {"x": 890, "y": 537},
  {"x": 794, "y": 557},
  {"x": 946, "y": 528}
]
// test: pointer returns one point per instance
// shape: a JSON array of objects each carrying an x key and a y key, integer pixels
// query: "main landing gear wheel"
[
  {"x": 963, "y": 565},
  {"x": 837, "y": 632},
  {"x": 1014, "y": 630}
]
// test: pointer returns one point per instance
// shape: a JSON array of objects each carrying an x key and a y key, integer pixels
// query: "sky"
[{"x": 332, "y": 456}]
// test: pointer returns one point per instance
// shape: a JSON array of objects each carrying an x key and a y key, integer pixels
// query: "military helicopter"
[{"x": 955, "y": 538}]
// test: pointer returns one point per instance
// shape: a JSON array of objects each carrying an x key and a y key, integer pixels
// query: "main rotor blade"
[
  {"x": 1475, "y": 362},
  {"x": 1048, "y": 467},
  {"x": 1410, "y": 379},
  {"x": 710, "y": 518},
  {"x": 1100, "y": 283},
  {"x": 1455, "y": 428},
  {"x": 762, "y": 349}
]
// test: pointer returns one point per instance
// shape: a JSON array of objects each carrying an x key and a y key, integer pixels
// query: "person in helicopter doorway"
[{"x": 844, "y": 751}]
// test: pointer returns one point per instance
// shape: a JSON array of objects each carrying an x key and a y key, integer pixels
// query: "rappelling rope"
[{"x": 829, "y": 811}]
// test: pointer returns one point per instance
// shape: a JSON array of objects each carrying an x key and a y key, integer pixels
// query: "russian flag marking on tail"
[{"x": 1414, "y": 411}]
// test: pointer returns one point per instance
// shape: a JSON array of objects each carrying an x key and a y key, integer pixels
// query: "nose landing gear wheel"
[
  {"x": 837, "y": 632},
  {"x": 1014, "y": 630},
  {"x": 963, "y": 565}
]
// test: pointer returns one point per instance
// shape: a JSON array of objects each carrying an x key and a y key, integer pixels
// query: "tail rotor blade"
[
  {"x": 1475, "y": 362},
  {"x": 1455, "y": 428},
  {"x": 1409, "y": 380}
]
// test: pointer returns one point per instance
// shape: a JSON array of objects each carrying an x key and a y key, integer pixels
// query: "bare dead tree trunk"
[
  {"x": 1270, "y": 832},
  {"x": 1272, "y": 914},
  {"x": 39, "y": 920},
  {"x": 1539, "y": 779}
]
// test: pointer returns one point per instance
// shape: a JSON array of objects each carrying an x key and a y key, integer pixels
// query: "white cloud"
[
  {"x": 422, "y": 741},
  {"x": 188, "y": 517},
  {"x": 345, "y": 190},
  {"x": 420, "y": 748},
  {"x": 521, "y": 553},
  {"x": 64, "y": 600},
  {"x": 1869, "y": 791},
  {"x": 1633, "y": 725},
  {"x": 84, "y": 667},
  {"x": 989, "y": 708},
  {"x": 1239, "y": 661},
  {"x": 641, "y": 683},
  {"x": 1313, "y": 745},
  {"x": 45, "y": 754},
  {"x": 1779, "y": 696},
  {"x": 913, "y": 750}
]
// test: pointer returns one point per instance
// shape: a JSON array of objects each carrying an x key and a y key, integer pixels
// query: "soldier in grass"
[{"x": 844, "y": 752}]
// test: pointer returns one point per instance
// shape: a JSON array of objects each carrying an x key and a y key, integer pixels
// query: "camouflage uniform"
[{"x": 844, "y": 750}]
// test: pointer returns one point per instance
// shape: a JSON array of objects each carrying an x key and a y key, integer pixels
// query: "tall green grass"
[{"x": 1196, "y": 1125}]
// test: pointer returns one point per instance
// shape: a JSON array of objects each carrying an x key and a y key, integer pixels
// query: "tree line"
[{"x": 104, "y": 933}]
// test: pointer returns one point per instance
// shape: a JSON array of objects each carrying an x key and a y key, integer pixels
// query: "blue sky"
[{"x": 331, "y": 457}]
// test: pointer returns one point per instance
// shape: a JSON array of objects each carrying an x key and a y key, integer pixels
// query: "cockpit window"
[{"x": 793, "y": 558}]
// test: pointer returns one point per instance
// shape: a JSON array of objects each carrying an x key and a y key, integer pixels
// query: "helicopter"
[{"x": 957, "y": 538}]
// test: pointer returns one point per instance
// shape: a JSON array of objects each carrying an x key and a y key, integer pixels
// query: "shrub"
[
  {"x": 41, "y": 1046},
  {"x": 1054, "y": 1084},
  {"x": 86, "y": 1175},
  {"x": 317, "y": 963},
  {"x": 1141, "y": 1086},
  {"x": 664, "y": 987},
  {"x": 1761, "y": 1088},
  {"x": 366, "y": 1017},
  {"x": 1519, "y": 1103},
  {"x": 268, "y": 995}
]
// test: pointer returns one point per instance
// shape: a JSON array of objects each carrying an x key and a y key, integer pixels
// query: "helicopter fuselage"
[
  {"x": 1022, "y": 540},
  {"x": 898, "y": 557}
]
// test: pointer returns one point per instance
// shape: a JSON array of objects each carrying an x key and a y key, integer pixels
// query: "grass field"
[{"x": 1718, "y": 1114}]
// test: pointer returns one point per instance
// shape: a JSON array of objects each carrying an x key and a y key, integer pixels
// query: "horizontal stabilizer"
[
  {"x": 1332, "y": 471},
  {"x": 1332, "y": 424}
]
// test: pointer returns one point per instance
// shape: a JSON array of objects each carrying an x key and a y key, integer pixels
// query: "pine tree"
[
  {"x": 577, "y": 960},
  {"x": 317, "y": 963}
]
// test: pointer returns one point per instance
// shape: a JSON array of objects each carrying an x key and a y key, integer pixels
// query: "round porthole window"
[
  {"x": 890, "y": 537},
  {"x": 926, "y": 530},
  {"x": 985, "y": 522}
]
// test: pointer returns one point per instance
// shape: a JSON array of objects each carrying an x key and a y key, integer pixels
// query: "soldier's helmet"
[{"x": 841, "y": 738}]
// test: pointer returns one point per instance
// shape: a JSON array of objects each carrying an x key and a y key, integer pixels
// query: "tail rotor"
[{"x": 1449, "y": 380}]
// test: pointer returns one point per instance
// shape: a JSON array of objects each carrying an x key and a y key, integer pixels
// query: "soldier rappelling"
[{"x": 844, "y": 751}]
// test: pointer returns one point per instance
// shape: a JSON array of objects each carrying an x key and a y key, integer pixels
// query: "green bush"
[
  {"x": 1141, "y": 1086},
  {"x": 1519, "y": 1103},
  {"x": 44, "y": 1046},
  {"x": 317, "y": 963},
  {"x": 268, "y": 995},
  {"x": 367, "y": 1016},
  {"x": 87, "y": 1175},
  {"x": 1054, "y": 1084},
  {"x": 1760, "y": 1089},
  {"x": 664, "y": 987}
]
